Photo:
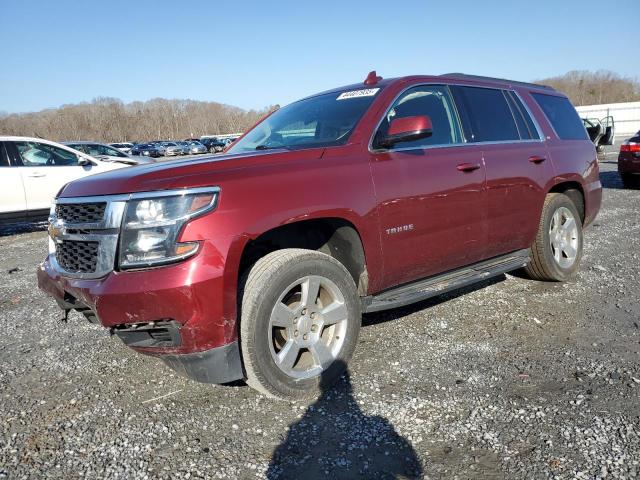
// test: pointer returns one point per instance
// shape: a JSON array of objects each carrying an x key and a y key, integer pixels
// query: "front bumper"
[{"x": 188, "y": 296}]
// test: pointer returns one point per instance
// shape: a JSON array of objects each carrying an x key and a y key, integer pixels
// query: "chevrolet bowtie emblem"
[{"x": 56, "y": 231}]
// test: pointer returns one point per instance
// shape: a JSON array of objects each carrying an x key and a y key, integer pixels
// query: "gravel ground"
[{"x": 512, "y": 378}]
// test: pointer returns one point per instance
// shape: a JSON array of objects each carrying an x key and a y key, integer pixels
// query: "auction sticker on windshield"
[{"x": 367, "y": 92}]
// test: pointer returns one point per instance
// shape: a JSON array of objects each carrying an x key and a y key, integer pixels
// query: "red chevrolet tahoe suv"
[{"x": 258, "y": 264}]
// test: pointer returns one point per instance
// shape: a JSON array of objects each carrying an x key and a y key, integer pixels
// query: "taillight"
[{"x": 630, "y": 147}]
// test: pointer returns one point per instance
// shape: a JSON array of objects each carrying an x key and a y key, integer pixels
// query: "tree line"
[
  {"x": 594, "y": 88},
  {"x": 108, "y": 119}
]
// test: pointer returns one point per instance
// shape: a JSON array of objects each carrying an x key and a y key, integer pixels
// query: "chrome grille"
[
  {"x": 84, "y": 234},
  {"x": 77, "y": 256},
  {"x": 81, "y": 212}
]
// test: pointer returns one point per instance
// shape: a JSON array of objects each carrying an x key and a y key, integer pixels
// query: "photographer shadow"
[{"x": 335, "y": 439}]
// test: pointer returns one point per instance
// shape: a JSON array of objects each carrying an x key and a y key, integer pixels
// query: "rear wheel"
[
  {"x": 299, "y": 323},
  {"x": 557, "y": 248}
]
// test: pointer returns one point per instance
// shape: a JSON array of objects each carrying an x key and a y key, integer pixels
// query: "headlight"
[{"x": 152, "y": 223}]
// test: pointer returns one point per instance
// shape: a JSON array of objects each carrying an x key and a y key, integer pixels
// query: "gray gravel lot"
[{"x": 512, "y": 378}]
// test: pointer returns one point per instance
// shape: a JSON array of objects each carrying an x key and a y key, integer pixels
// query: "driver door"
[
  {"x": 431, "y": 195},
  {"x": 45, "y": 169}
]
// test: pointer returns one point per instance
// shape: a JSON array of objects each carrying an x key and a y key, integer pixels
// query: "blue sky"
[{"x": 252, "y": 54}]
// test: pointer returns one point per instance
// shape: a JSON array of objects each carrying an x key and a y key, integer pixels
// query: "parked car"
[
  {"x": 106, "y": 152},
  {"x": 124, "y": 147},
  {"x": 184, "y": 146},
  {"x": 214, "y": 145},
  {"x": 259, "y": 263},
  {"x": 172, "y": 149},
  {"x": 197, "y": 147},
  {"x": 33, "y": 170},
  {"x": 601, "y": 132},
  {"x": 629, "y": 162},
  {"x": 147, "y": 150}
]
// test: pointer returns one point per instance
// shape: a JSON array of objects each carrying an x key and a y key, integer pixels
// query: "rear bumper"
[
  {"x": 628, "y": 163},
  {"x": 593, "y": 201}
]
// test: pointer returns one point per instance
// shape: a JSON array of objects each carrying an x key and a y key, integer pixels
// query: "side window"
[
  {"x": 562, "y": 116},
  {"x": 34, "y": 154},
  {"x": 4, "y": 160},
  {"x": 433, "y": 101},
  {"x": 97, "y": 149},
  {"x": 518, "y": 115},
  {"x": 80, "y": 147},
  {"x": 526, "y": 115},
  {"x": 490, "y": 118}
]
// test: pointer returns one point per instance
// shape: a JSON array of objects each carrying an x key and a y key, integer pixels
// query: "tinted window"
[
  {"x": 4, "y": 160},
  {"x": 96, "y": 149},
  {"x": 35, "y": 154},
  {"x": 525, "y": 133},
  {"x": 433, "y": 101},
  {"x": 527, "y": 117},
  {"x": 489, "y": 114},
  {"x": 562, "y": 116}
]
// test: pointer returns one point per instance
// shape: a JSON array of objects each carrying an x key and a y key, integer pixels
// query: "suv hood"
[{"x": 182, "y": 173}]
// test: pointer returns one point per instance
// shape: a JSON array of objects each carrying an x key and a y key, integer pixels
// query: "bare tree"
[
  {"x": 592, "y": 88},
  {"x": 110, "y": 120}
]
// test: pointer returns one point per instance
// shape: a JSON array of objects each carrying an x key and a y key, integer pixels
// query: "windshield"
[
  {"x": 320, "y": 121},
  {"x": 97, "y": 150}
]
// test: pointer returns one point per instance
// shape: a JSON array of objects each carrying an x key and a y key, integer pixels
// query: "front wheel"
[
  {"x": 557, "y": 248},
  {"x": 299, "y": 323}
]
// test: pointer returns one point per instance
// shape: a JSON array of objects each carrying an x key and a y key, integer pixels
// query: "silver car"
[
  {"x": 172, "y": 149},
  {"x": 186, "y": 148},
  {"x": 197, "y": 147},
  {"x": 106, "y": 153}
]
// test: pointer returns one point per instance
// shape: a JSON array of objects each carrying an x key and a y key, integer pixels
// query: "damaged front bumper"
[{"x": 173, "y": 312}]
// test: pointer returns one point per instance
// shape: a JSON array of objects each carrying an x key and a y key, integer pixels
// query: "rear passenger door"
[
  {"x": 516, "y": 161},
  {"x": 430, "y": 192},
  {"x": 12, "y": 200}
]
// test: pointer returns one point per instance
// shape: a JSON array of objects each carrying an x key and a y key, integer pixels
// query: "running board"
[{"x": 445, "y": 282}]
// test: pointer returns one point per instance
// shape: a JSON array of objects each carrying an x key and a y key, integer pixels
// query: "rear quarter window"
[{"x": 563, "y": 117}]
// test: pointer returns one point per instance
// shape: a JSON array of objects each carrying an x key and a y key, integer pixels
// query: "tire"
[
  {"x": 630, "y": 180},
  {"x": 275, "y": 282},
  {"x": 551, "y": 254}
]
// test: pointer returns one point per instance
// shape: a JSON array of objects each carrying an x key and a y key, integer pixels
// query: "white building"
[{"x": 625, "y": 115}]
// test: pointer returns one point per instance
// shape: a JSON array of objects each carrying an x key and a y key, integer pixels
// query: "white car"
[
  {"x": 124, "y": 147},
  {"x": 32, "y": 172}
]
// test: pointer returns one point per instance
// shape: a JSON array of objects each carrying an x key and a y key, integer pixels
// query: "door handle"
[
  {"x": 468, "y": 167},
  {"x": 537, "y": 159},
  {"x": 36, "y": 175}
]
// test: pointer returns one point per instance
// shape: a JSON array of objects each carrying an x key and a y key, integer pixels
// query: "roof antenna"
[{"x": 372, "y": 78}]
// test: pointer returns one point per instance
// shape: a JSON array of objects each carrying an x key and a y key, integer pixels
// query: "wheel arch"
[
  {"x": 575, "y": 191},
  {"x": 334, "y": 236}
]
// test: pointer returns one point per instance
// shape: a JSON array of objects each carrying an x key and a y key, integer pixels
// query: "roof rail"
[{"x": 494, "y": 79}]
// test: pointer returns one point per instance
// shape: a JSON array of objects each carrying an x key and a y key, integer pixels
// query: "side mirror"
[
  {"x": 407, "y": 129},
  {"x": 84, "y": 162}
]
